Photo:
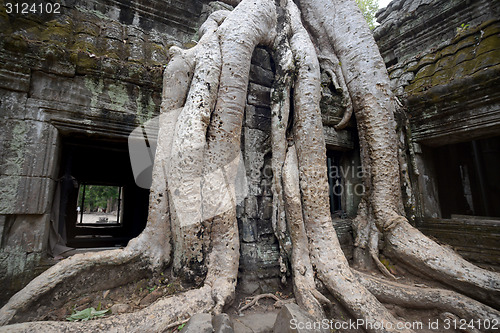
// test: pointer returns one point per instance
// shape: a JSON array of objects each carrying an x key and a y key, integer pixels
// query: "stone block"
[
  {"x": 258, "y": 118},
  {"x": 249, "y": 255},
  {"x": 292, "y": 318},
  {"x": 25, "y": 195},
  {"x": 261, "y": 76},
  {"x": 338, "y": 140},
  {"x": 261, "y": 58},
  {"x": 259, "y": 95},
  {"x": 251, "y": 207},
  {"x": 29, "y": 149},
  {"x": 26, "y": 233},
  {"x": 249, "y": 230},
  {"x": 222, "y": 323},
  {"x": 260, "y": 259},
  {"x": 264, "y": 228},
  {"x": 258, "y": 322},
  {"x": 266, "y": 208},
  {"x": 61, "y": 89},
  {"x": 199, "y": 323},
  {"x": 13, "y": 80}
]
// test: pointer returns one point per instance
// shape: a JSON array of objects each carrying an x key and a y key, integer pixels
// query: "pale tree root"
[
  {"x": 154, "y": 318},
  {"x": 374, "y": 105},
  {"x": 366, "y": 243},
  {"x": 326, "y": 255},
  {"x": 66, "y": 279},
  {"x": 255, "y": 301},
  {"x": 288, "y": 222},
  {"x": 428, "y": 298},
  {"x": 409, "y": 245},
  {"x": 304, "y": 285}
]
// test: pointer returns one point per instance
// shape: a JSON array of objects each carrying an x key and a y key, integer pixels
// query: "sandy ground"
[{"x": 98, "y": 218}]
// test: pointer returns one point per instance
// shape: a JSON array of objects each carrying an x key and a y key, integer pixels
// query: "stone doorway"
[{"x": 90, "y": 174}]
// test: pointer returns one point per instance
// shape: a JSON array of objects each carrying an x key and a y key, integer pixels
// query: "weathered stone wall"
[
  {"x": 443, "y": 59},
  {"x": 259, "y": 247},
  {"x": 94, "y": 70},
  {"x": 410, "y": 27}
]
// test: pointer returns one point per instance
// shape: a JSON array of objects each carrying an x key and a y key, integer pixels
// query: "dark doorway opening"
[
  {"x": 468, "y": 178},
  {"x": 334, "y": 181},
  {"x": 100, "y": 206}
]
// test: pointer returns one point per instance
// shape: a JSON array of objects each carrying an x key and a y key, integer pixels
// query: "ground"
[{"x": 258, "y": 318}]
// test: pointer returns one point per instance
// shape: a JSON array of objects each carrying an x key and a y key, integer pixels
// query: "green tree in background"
[
  {"x": 97, "y": 196},
  {"x": 368, "y": 8}
]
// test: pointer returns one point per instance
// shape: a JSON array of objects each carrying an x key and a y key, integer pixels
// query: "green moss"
[
  {"x": 486, "y": 60},
  {"x": 488, "y": 44},
  {"x": 472, "y": 51},
  {"x": 84, "y": 60},
  {"x": 95, "y": 87},
  {"x": 93, "y": 12},
  {"x": 426, "y": 71},
  {"x": 118, "y": 95},
  {"x": 16, "y": 44},
  {"x": 84, "y": 46},
  {"x": 145, "y": 107},
  {"x": 57, "y": 32}
]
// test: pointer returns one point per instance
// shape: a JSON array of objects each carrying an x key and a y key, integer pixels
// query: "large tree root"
[
  {"x": 428, "y": 298},
  {"x": 61, "y": 280},
  {"x": 409, "y": 245},
  {"x": 366, "y": 79},
  {"x": 324, "y": 249},
  {"x": 154, "y": 318}
]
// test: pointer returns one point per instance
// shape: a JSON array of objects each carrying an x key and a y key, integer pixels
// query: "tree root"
[
  {"x": 154, "y": 318},
  {"x": 427, "y": 298},
  {"x": 409, "y": 245},
  {"x": 255, "y": 300},
  {"x": 326, "y": 255},
  {"x": 58, "y": 281}
]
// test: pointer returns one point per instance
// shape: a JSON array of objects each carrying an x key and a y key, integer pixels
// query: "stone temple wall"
[
  {"x": 443, "y": 60},
  {"x": 93, "y": 71}
]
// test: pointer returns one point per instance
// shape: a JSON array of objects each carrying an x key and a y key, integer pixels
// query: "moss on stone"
[
  {"x": 470, "y": 52},
  {"x": 118, "y": 95}
]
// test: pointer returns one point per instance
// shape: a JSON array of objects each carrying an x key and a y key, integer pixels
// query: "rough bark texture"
[{"x": 192, "y": 219}]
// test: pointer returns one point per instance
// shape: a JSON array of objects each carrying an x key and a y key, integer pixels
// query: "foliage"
[
  {"x": 88, "y": 313},
  {"x": 463, "y": 27},
  {"x": 97, "y": 196},
  {"x": 368, "y": 8}
]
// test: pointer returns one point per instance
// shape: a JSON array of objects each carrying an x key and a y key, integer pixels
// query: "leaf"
[
  {"x": 86, "y": 314},
  {"x": 80, "y": 315}
]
